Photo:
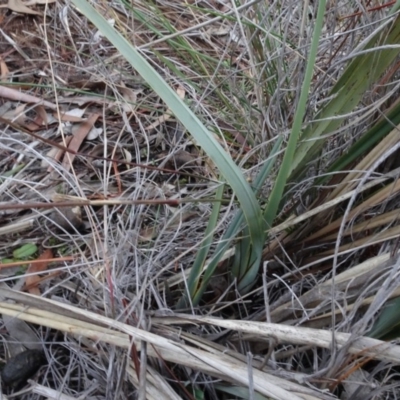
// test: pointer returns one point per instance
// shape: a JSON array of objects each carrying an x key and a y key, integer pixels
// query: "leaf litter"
[{"x": 115, "y": 283}]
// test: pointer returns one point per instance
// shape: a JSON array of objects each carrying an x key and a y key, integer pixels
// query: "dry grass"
[{"x": 103, "y": 308}]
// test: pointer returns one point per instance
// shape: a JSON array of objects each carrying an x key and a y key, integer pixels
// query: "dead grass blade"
[{"x": 117, "y": 333}]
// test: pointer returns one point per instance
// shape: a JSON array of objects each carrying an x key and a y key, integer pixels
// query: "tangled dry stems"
[{"x": 242, "y": 75}]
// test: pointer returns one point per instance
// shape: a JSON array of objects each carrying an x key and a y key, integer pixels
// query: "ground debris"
[{"x": 21, "y": 367}]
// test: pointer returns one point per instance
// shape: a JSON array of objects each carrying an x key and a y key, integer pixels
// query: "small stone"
[{"x": 21, "y": 367}]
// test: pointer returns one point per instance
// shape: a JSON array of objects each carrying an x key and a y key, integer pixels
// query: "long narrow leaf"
[
  {"x": 367, "y": 141},
  {"x": 360, "y": 74},
  {"x": 193, "y": 282},
  {"x": 235, "y": 226},
  {"x": 227, "y": 167},
  {"x": 286, "y": 166}
]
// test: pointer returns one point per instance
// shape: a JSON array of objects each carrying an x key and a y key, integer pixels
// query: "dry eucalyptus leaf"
[
  {"x": 181, "y": 92},
  {"x": 20, "y": 7},
  {"x": 147, "y": 234},
  {"x": 5, "y": 108},
  {"x": 51, "y": 154},
  {"x": 183, "y": 159},
  {"x": 177, "y": 219},
  {"x": 131, "y": 98},
  {"x": 94, "y": 133},
  {"x": 98, "y": 35},
  {"x": 17, "y": 328},
  {"x": 69, "y": 219},
  {"x": 74, "y": 114},
  {"x": 82, "y": 100},
  {"x": 55, "y": 154},
  {"x": 4, "y": 71},
  {"x": 16, "y": 114},
  {"x": 32, "y": 278},
  {"x": 42, "y": 114},
  {"x": 127, "y": 156},
  {"x": 218, "y": 285},
  {"x": 14, "y": 94},
  {"x": 80, "y": 132},
  {"x": 165, "y": 117}
]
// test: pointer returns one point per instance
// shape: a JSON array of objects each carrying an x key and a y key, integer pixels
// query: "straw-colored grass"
[{"x": 199, "y": 200}]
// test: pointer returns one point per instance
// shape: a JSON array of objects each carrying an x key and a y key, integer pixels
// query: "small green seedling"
[
  {"x": 22, "y": 253},
  {"x": 25, "y": 251}
]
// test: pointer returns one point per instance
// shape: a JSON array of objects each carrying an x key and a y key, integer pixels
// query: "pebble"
[{"x": 21, "y": 367}]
